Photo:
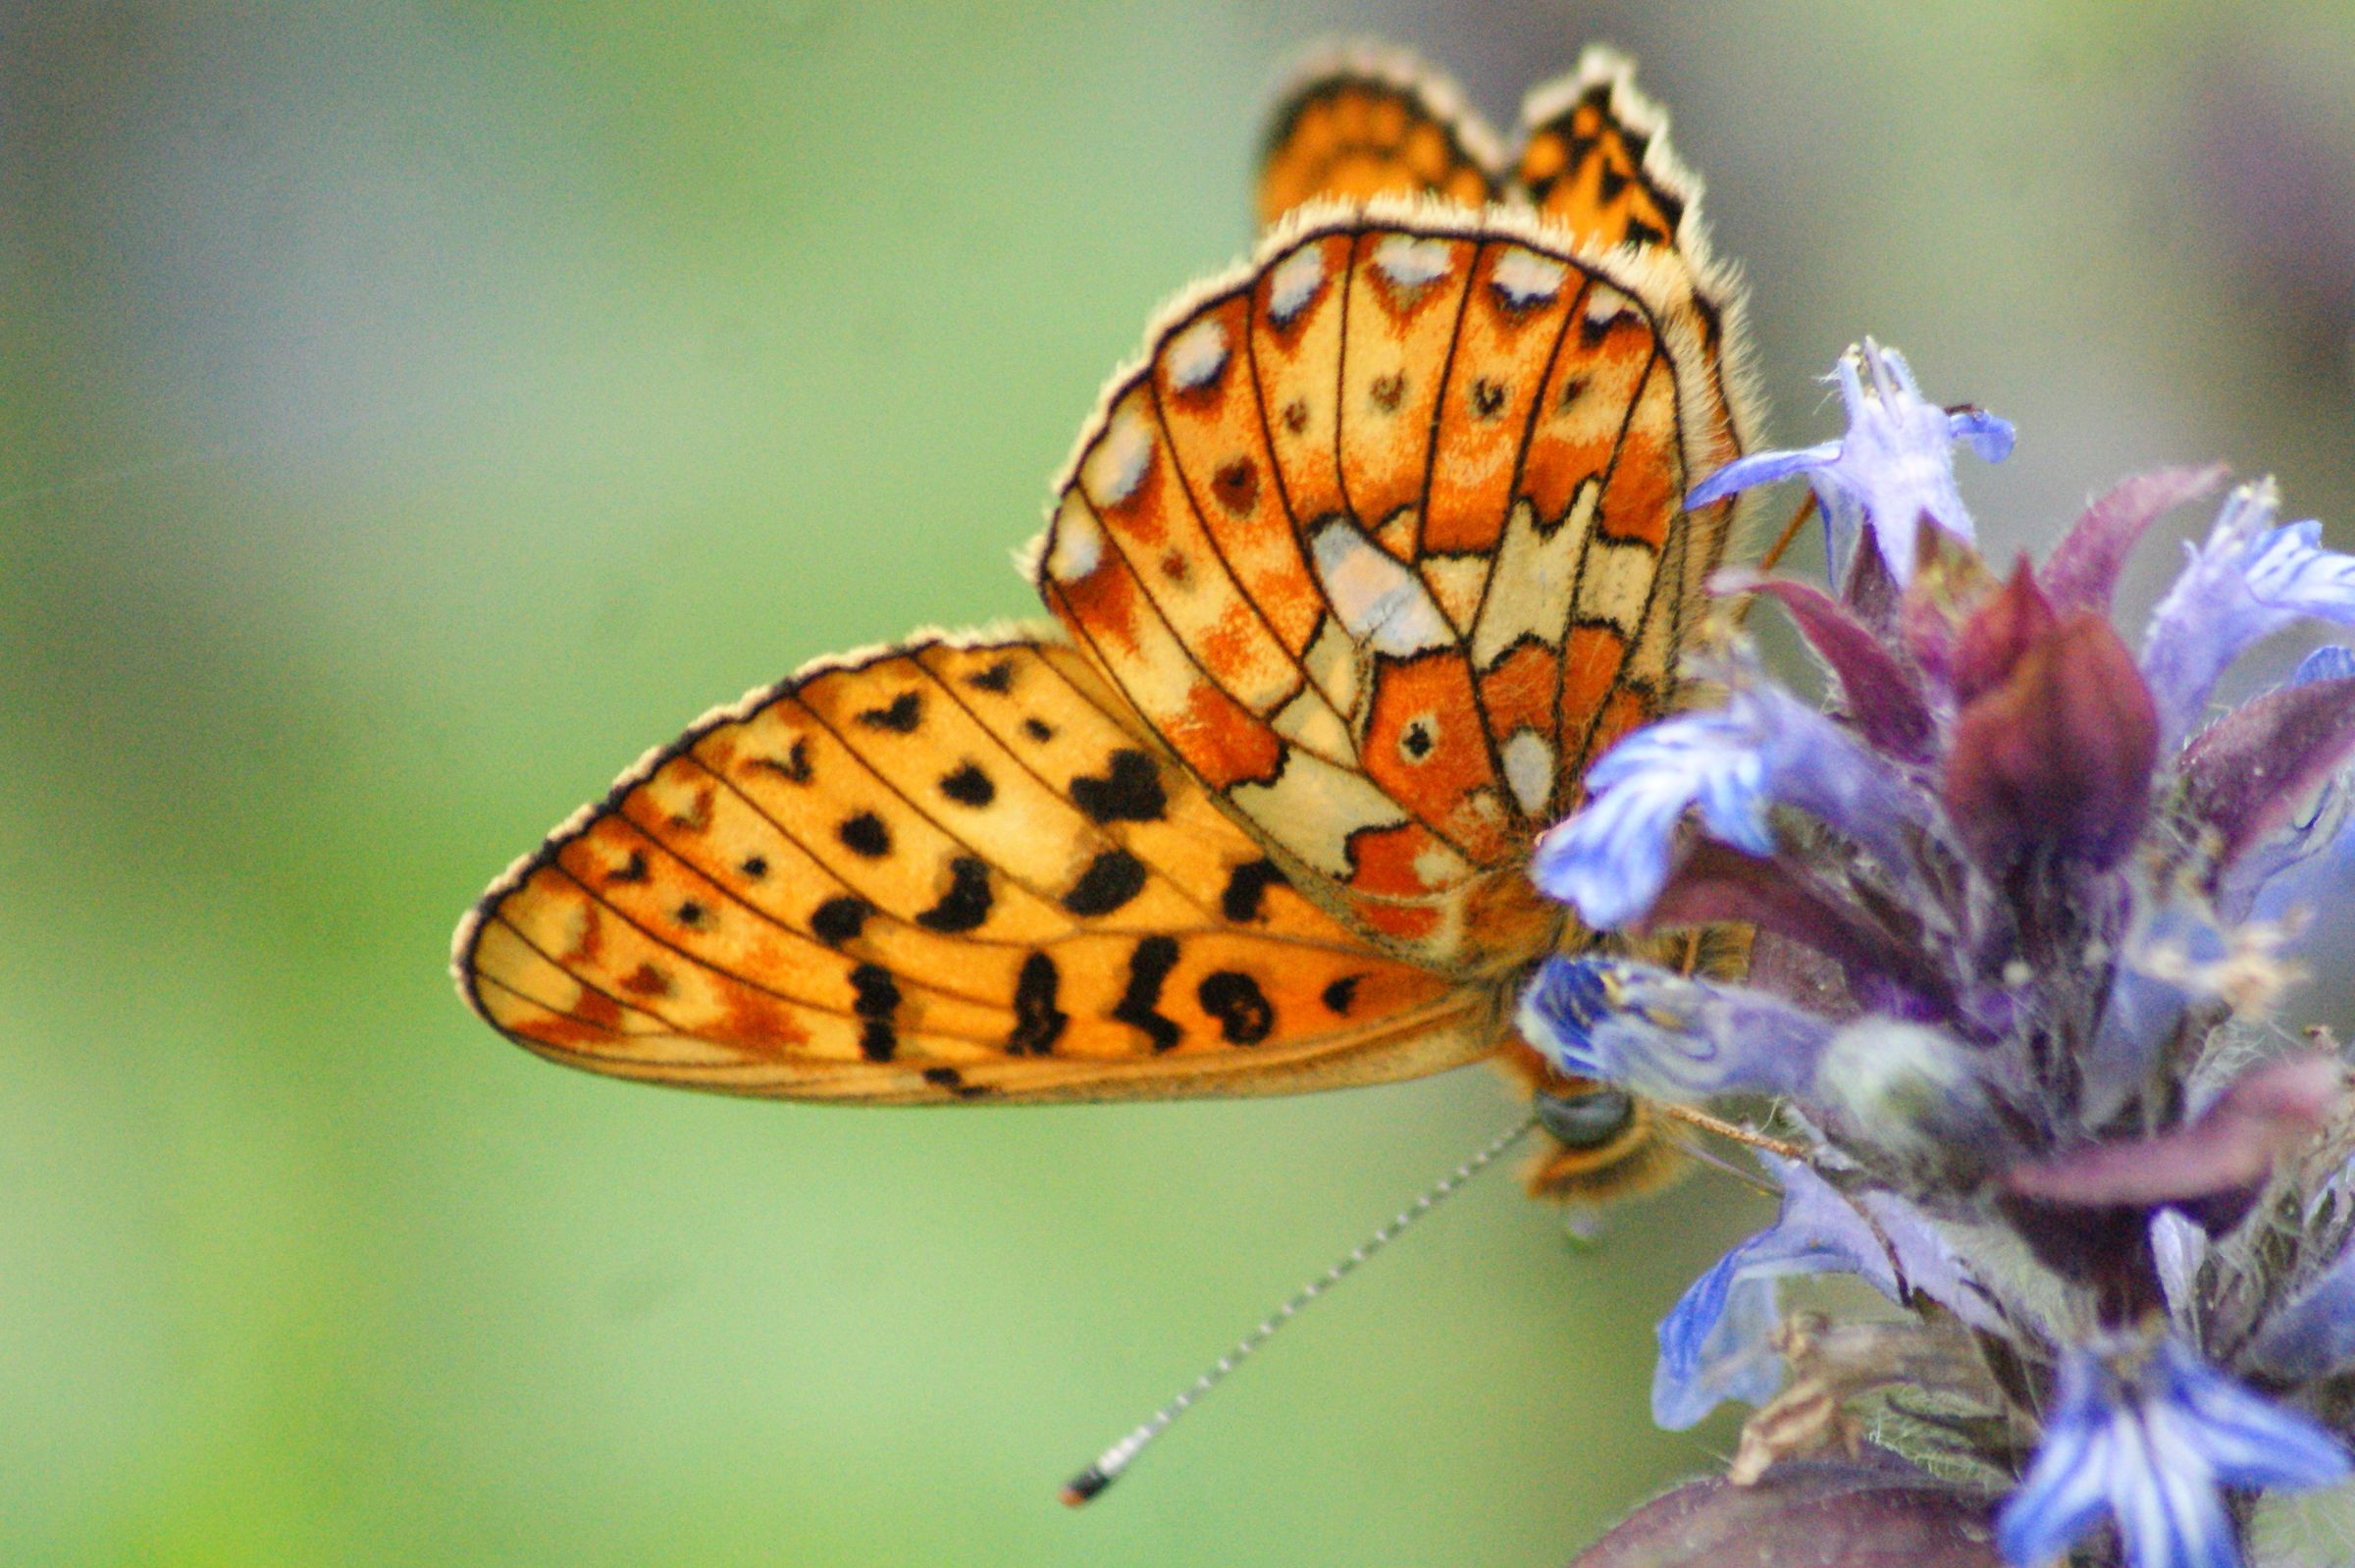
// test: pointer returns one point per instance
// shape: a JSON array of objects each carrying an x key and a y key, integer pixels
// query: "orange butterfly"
[{"x": 1378, "y": 544}]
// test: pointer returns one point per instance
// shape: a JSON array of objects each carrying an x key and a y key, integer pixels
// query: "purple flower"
[
  {"x": 2249, "y": 581},
  {"x": 1667, "y": 1036},
  {"x": 1716, "y": 1342},
  {"x": 2152, "y": 1438},
  {"x": 1894, "y": 467},
  {"x": 1763, "y": 748},
  {"x": 2000, "y": 891}
]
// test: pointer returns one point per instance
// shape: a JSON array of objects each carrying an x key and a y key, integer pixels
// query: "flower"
[
  {"x": 1717, "y": 1342},
  {"x": 2011, "y": 1003},
  {"x": 2151, "y": 1438},
  {"x": 1894, "y": 468},
  {"x": 1665, "y": 1035},
  {"x": 2249, "y": 581},
  {"x": 1763, "y": 748}
]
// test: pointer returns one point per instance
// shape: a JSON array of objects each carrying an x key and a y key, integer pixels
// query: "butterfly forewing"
[
  {"x": 1366, "y": 123},
  {"x": 943, "y": 872}
]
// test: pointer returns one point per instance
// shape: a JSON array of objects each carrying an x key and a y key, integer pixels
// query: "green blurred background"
[{"x": 411, "y": 414}]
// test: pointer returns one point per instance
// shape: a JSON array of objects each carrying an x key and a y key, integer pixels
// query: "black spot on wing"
[
  {"x": 1247, "y": 889},
  {"x": 1038, "y": 729},
  {"x": 996, "y": 677},
  {"x": 1242, "y": 1008},
  {"x": 1128, "y": 790},
  {"x": 966, "y": 904},
  {"x": 951, "y": 1079},
  {"x": 793, "y": 767},
  {"x": 969, "y": 786},
  {"x": 1037, "y": 1022},
  {"x": 632, "y": 869},
  {"x": 875, "y": 997},
  {"x": 840, "y": 920},
  {"x": 864, "y": 834},
  {"x": 754, "y": 867},
  {"x": 1149, "y": 966},
  {"x": 1111, "y": 880},
  {"x": 900, "y": 717},
  {"x": 1342, "y": 994}
]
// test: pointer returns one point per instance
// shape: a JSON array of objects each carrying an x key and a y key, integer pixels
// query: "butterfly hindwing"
[
  {"x": 1383, "y": 541},
  {"x": 948, "y": 871}
]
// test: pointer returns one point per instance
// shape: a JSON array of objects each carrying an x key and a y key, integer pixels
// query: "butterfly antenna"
[{"x": 1109, "y": 1464}]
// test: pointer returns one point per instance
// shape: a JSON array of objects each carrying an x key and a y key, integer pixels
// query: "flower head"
[{"x": 2012, "y": 1018}]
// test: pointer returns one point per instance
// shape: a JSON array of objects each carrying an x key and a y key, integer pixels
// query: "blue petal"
[
  {"x": 1985, "y": 434},
  {"x": 2068, "y": 1487},
  {"x": 1664, "y": 1036},
  {"x": 2244, "y": 1438},
  {"x": 1760, "y": 468},
  {"x": 2330, "y": 662},
  {"x": 1763, "y": 748},
  {"x": 2245, "y": 582},
  {"x": 2151, "y": 1435},
  {"x": 1717, "y": 1342}
]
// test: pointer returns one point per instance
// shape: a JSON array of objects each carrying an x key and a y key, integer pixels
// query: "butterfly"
[{"x": 1379, "y": 543}]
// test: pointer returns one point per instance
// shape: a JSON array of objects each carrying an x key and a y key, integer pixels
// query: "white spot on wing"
[
  {"x": 1313, "y": 806},
  {"x": 1119, "y": 463},
  {"x": 1456, "y": 581},
  {"x": 1523, "y": 278},
  {"x": 1530, "y": 591},
  {"x": 1077, "y": 547},
  {"x": 1529, "y": 770},
  {"x": 1410, "y": 263},
  {"x": 1197, "y": 354},
  {"x": 1605, "y": 304},
  {"x": 1331, "y": 664},
  {"x": 1295, "y": 282},
  {"x": 1382, "y": 605},
  {"x": 1308, "y": 721}
]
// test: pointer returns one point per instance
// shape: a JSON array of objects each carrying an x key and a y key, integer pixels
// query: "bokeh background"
[{"x": 412, "y": 412}]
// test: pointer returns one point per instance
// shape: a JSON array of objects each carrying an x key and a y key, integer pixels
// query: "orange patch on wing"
[
  {"x": 1222, "y": 742},
  {"x": 1425, "y": 748},
  {"x": 1209, "y": 408},
  {"x": 1296, "y": 354},
  {"x": 1512, "y": 323},
  {"x": 1591, "y": 660},
  {"x": 1519, "y": 692},
  {"x": 1103, "y": 603},
  {"x": 1405, "y": 297}
]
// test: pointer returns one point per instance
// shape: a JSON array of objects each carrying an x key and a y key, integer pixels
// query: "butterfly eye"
[
  {"x": 1420, "y": 738},
  {"x": 1585, "y": 1120}
]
